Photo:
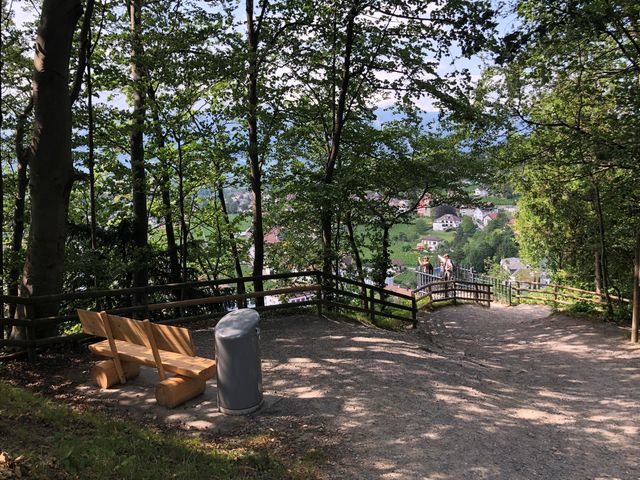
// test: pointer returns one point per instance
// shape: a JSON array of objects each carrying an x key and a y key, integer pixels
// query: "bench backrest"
[{"x": 168, "y": 338}]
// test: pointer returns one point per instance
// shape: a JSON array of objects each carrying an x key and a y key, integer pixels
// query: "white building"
[
  {"x": 481, "y": 192},
  {"x": 446, "y": 222},
  {"x": 512, "y": 264},
  {"x": 431, "y": 242},
  {"x": 466, "y": 212}
]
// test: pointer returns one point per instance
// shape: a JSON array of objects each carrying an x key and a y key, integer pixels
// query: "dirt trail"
[
  {"x": 510, "y": 393},
  {"x": 501, "y": 393}
]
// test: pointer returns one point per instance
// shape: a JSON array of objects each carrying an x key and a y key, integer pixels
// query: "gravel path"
[
  {"x": 473, "y": 393},
  {"x": 510, "y": 393}
]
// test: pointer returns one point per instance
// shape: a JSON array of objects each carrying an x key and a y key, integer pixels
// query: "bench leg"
[
  {"x": 178, "y": 389},
  {"x": 104, "y": 373}
]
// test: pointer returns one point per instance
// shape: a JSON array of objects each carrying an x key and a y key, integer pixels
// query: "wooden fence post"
[
  {"x": 555, "y": 296},
  {"x": 319, "y": 296},
  {"x": 455, "y": 292},
  {"x": 372, "y": 305},
  {"x": 517, "y": 293},
  {"x": 242, "y": 303},
  {"x": 31, "y": 349},
  {"x": 414, "y": 312}
]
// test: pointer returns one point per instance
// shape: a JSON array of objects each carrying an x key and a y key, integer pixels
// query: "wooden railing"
[
  {"x": 201, "y": 300},
  {"x": 452, "y": 290},
  {"x": 514, "y": 292},
  {"x": 559, "y": 294}
]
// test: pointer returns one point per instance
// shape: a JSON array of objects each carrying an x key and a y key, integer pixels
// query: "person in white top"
[{"x": 447, "y": 266}]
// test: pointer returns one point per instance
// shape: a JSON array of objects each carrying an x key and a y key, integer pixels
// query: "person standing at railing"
[
  {"x": 424, "y": 265},
  {"x": 447, "y": 266}
]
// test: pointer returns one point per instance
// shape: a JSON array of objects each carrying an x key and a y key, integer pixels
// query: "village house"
[
  {"x": 489, "y": 218},
  {"x": 424, "y": 206},
  {"x": 512, "y": 264},
  {"x": 446, "y": 222},
  {"x": 401, "y": 205},
  {"x": 430, "y": 243},
  {"x": 480, "y": 213},
  {"x": 466, "y": 212}
]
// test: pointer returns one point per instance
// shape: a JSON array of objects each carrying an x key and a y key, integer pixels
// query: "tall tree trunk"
[
  {"x": 603, "y": 249},
  {"x": 138, "y": 173},
  {"x": 326, "y": 214},
  {"x": 17, "y": 236},
  {"x": 635, "y": 318},
  {"x": 165, "y": 187},
  {"x": 2, "y": 279},
  {"x": 354, "y": 247},
  {"x": 184, "y": 229},
  {"x": 255, "y": 170},
  {"x": 234, "y": 245},
  {"x": 383, "y": 263},
  {"x": 93, "y": 224},
  {"x": 356, "y": 256},
  {"x": 51, "y": 166},
  {"x": 172, "y": 247},
  {"x": 598, "y": 272}
]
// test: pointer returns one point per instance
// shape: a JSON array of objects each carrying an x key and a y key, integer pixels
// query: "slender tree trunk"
[
  {"x": 603, "y": 250},
  {"x": 384, "y": 260},
  {"x": 51, "y": 166},
  {"x": 232, "y": 240},
  {"x": 17, "y": 236},
  {"x": 255, "y": 170},
  {"x": 356, "y": 256},
  {"x": 165, "y": 187},
  {"x": 184, "y": 230},
  {"x": 635, "y": 318},
  {"x": 138, "y": 172},
  {"x": 598, "y": 272},
  {"x": 2, "y": 279},
  {"x": 326, "y": 214},
  {"x": 354, "y": 247},
  {"x": 91, "y": 161}
]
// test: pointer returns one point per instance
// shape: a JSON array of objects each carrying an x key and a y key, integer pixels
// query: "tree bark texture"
[
  {"x": 356, "y": 256},
  {"x": 165, "y": 187},
  {"x": 232, "y": 239},
  {"x": 138, "y": 172},
  {"x": 603, "y": 250},
  {"x": 17, "y": 236},
  {"x": 598, "y": 272},
  {"x": 635, "y": 318},
  {"x": 51, "y": 166},
  {"x": 255, "y": 170},
  {"x": 184, "y": 228},
  {"x": 91, "y": 160},
  {"x": 326, "y": 215}
]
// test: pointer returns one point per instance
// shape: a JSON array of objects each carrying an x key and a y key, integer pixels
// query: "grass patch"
[{"x": 57, "y": 442}]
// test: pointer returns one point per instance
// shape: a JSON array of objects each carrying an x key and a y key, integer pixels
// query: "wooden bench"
[{"x": 130, "y": 343}]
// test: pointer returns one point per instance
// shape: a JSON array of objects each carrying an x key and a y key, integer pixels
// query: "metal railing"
[{"x": 453, "y": 290}]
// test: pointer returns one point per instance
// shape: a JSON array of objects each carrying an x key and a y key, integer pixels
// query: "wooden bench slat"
[
  {"x": 173, "y": 339},
  {"x": 129, "y": 330},
  {"x": 171, "y": 361},
  {"x": 91, "y": 323}
]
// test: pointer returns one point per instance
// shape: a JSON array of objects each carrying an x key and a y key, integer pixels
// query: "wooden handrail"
[
  {"x": 369, "y": 302},
  {"x": 152, "y": 288}
]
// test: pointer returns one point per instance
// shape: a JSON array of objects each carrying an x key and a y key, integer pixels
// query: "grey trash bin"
[{"x": 239, "y": 375}]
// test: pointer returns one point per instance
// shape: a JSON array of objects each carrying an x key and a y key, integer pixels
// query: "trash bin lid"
[{"x": 238, "y": 323}]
